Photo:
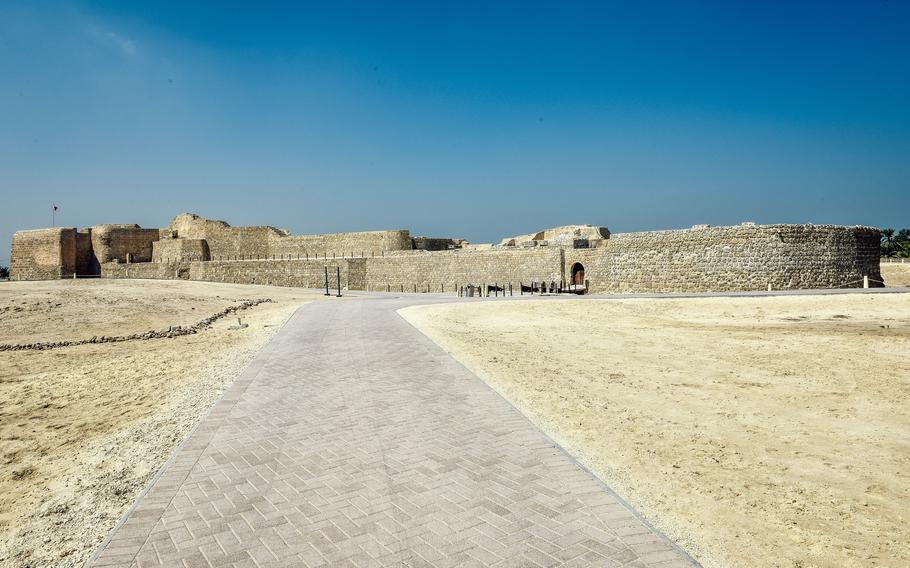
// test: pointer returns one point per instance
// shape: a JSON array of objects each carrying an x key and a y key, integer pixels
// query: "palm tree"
[{"x": 887, "y": 242}]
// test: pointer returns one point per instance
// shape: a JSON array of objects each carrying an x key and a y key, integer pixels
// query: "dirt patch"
[
  {"x": 896, "y": 274},
  {"x": 753, "y": 431},
  {"x": 83, "y": 428}
]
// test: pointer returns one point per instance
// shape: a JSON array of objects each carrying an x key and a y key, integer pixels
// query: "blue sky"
[{"x": 473, "y": 119}]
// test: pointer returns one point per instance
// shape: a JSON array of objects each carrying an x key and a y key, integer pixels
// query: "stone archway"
[{"x": 578, "y": 274}]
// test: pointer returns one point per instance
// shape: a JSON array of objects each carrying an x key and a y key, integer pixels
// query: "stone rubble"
[{"x": 173, "y": 331}]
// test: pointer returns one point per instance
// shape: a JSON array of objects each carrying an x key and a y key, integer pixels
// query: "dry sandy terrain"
[
  {"x": 83, "y": 428},
  {"x": 896, "y": 274},
  {"x": 753, "y": 431}
]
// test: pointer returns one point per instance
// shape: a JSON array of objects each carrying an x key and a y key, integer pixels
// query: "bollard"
[
  {"x": 510, "y": 289},
  {"x": 338, "y": 279},
  {"x": 865, "y": 281},
  {"x": 769, "y": 286},
  {"x": 327, "y": 281},
  {"x": 521, "y": 289}
]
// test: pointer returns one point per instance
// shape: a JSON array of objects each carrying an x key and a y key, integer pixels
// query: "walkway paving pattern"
[{"x": 353, "y": 440}]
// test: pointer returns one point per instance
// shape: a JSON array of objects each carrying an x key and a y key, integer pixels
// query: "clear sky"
[{"x": 473, "y": 119}]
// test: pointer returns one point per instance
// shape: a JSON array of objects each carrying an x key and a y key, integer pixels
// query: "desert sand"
[
  {"x": 753, "y": 431},
  {"x": 896, "y": 274},
  {"x": 83, "y": 429}
]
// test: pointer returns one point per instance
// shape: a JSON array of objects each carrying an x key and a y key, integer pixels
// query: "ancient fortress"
[{"x": 703, "y": 258}]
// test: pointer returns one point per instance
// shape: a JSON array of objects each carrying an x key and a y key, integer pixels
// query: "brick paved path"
[{"x": 353, "y": 440}]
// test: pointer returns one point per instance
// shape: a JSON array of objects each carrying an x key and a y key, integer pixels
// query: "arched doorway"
[{"x": 578, "y": 274}]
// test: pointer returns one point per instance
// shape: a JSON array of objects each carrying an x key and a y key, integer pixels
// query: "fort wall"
[
  {"x": 744, "y": 257},
  {"x": 123, "y": 243},
  {"x": 297, "y": 273},
  {"x": 442, "y": 270},
  {"x": 147, "y": 270},
  {"x": 168, "y": 250},
  {"x": 366, "y": 243},
  {"x": 43, "y": 254},
  {"x": 223, "y": 240}
]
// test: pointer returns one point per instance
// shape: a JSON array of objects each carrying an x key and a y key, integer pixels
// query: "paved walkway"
[{"x": 353, "y": 440}]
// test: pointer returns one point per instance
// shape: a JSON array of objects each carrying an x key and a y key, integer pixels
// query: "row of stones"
[{"x": 173, "y": 331}]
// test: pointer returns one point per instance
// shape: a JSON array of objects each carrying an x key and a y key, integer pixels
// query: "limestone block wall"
[
  {"x": 299, "y": 273},
  {"x": 238, "y": 242},
  {"x": 43, "y": 254},
  {"x": 744, "y": 257},
  {"x": 152, "y": 270},
  {"x": 443, "y": 270},
  {"x": 115, "y": 242},
  {"x": 223, "y": 240},
  {"x": 368, "y": 243},
  {"x": 180, "y": 249}
]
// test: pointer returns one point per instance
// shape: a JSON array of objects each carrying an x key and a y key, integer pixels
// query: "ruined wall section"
[
  {"x": 122, "y": 243},
  {"x": 366, "y": 243},
  {"x": 443, "y": 270},
  {"x": 434, "y": 243},
  {"x": 740, "y": 258},
  {"x": 224, "y": 241},
  {"x": 43, "y": 254}
]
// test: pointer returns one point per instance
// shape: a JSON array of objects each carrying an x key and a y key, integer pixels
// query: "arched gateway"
[{"x": 578, "y": 274}]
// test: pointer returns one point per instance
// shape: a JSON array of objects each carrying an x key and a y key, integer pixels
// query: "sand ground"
[
  {"x": 896, "y": 274},
  {"x": 753, "y": 431},
  {"x": 83, "y": 429}
]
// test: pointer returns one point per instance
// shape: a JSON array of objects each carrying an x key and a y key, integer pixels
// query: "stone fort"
[{"x": 737, "y": 258}]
